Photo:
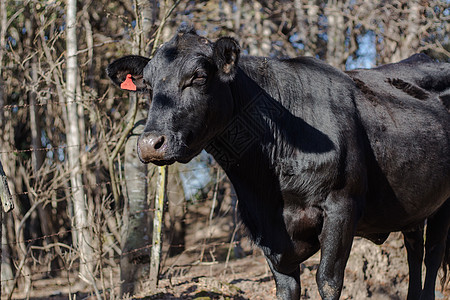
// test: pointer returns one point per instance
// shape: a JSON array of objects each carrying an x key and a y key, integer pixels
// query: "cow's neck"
[
  {"x": 250, "y": 128},
  {"x": 246, "y": 150}
]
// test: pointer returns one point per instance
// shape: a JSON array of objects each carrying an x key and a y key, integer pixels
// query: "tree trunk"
[
  {"x": 238, "y": 16},
  {"x": 5, "y": 266},
  {"x": 335, "y": 33},
  {"x": 3, "y": 24},
  {"x": 409, "y": 41},
  {"x": 301, "y": 21},
  {"x": 3, "y": 20},
  {"x": 255, "y": 31},
  {"x": 83, "y": 235},
  {"x": 6, "y": 274},
  {"x": 175, "y": 225},
  {"x": 37, "y": 156},
  {"x": 137, "y": 232},
  {"x": 313, "y": 28}
]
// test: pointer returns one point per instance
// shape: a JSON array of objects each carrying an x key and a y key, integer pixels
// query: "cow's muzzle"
[{"x": 152, "y": 147}]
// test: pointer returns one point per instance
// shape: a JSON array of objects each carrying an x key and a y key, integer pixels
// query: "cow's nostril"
[
  {"x": 159, "y": 143},
  {"x": 152, "y": 146}
]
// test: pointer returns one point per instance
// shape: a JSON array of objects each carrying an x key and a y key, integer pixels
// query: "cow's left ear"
[
  {"x": 226, "y": 57},
  {"x": 127, "y": 72}
]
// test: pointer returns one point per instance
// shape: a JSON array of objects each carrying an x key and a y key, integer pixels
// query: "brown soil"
[
  {"x": 373, "y": 272},
  {"x": 202, "y": 271}
]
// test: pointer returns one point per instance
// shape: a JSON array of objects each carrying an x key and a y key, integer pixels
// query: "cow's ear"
[
  {"x": 226, "y": 57},
  {"x": 127, "y": 72}
]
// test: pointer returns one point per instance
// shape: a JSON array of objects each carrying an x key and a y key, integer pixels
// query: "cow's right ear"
[
  {"x": 226, "y": 57},
  {"x": 127, "y": 72}
]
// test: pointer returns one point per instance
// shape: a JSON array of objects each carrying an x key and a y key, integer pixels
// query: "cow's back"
[{"x": 402, "y": 110}]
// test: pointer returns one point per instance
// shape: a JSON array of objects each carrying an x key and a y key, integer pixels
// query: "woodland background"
[{"x": 83, "y": 201}]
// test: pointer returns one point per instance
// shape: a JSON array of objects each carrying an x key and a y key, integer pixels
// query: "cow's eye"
[{"x": 199, "y": 77}]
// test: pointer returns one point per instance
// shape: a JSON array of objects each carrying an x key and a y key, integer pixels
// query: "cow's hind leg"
[
  {"x": 414, "y": 250},
  {"x": 436, "y": 238},
  {"x": 288, "y": 284}
]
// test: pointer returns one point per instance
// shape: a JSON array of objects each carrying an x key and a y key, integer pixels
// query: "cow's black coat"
[{"x": 316, "y": 156}]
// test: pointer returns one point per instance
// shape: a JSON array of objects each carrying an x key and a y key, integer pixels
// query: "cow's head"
[{"x": 188, "y": 80}]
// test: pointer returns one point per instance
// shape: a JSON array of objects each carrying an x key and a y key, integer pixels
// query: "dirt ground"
[
  {"x": 373, "y": 272},
  {"x": 208, "y": 269}
]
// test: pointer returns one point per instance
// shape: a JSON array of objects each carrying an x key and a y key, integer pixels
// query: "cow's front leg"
[
  {"x": 287, "y": 282},
  {"x": 336, "y": 241}
]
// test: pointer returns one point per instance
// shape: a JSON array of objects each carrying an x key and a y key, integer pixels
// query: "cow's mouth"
[
  {"x": 160, "y": 162},
  {"x": 164, "y": 149},
  {"x": 165, "y": 161}
]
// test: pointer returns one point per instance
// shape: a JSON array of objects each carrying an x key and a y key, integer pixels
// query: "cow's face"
[{"x": 188, "y": 79}]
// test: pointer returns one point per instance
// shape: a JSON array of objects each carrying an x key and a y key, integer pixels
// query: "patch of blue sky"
[
  {"x": 365, "y": 55},
  {"x": 195, "y": 175},
  {"x": 295, "y": 41},
  {"x": 61, "y": 154}
]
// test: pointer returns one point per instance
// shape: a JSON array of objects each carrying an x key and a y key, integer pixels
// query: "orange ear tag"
[{"x": 128, "y": 84}]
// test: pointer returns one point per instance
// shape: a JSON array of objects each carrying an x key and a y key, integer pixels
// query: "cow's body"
[
  {"x": 393, "y": 146},
  {"x": 408, "y": 131},
  {"x": 316, "y": 156}
]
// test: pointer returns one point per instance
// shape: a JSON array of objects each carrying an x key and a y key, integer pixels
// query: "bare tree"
[
  {"x": 81, "y": 226},
  {"x": 408, "y": 41},
  {"x": 139, "y": 178},
  {"x": 335, "y": 33},
  {"x": 136, "y": 231}
]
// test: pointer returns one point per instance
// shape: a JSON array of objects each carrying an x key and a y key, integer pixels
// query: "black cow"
[{"x": 316, "y": 156}]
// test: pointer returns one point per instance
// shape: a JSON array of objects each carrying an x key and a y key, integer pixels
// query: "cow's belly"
[
  {"x": 402, "y": 204},
  {"x": 405, "y": 187},
  {"x": 408, "y": 164}
]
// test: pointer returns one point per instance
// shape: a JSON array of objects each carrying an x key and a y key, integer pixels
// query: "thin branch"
[{"x": 158, "y": 32}]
